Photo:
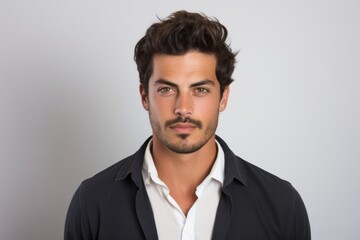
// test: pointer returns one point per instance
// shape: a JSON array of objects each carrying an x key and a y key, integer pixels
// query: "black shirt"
[{"x": 254, "y": 204}]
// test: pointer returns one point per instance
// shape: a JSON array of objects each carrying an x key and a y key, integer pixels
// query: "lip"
[{"x": 183, "y": 128}]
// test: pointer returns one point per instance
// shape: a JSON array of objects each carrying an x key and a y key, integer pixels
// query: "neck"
[
  {"x": 186, "y": 170},
  {"x": 182, "y": 173}
]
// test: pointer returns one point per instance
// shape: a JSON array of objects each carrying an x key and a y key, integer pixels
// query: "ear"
[
  {"x": 144, "y": 97},
  {"x": 224, "y": 99}
]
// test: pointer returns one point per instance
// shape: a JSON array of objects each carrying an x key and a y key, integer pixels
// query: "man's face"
[{"x": 183, "y": 100}]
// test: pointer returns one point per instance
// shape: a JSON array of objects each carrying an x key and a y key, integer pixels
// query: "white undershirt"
[{"x": 171, "y": 223}]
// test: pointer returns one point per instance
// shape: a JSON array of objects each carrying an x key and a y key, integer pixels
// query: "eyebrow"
[
  {"x": 197, "y": 84},
  {"x": 201, "y": 83},
  {"x": 166, "y": 82}
]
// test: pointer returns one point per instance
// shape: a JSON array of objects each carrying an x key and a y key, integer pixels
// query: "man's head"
[
  {"x": 185, "y": 68},
  {"x": 184, "y": 32}
]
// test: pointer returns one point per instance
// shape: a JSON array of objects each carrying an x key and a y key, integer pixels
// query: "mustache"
[{"x": 184, "y": 120}]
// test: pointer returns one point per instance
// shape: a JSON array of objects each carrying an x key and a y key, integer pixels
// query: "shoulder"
[
  {"x": 257, "y": 176},
  {"x": 103, "y": 183},
  {"x": 124, "y": 175},
  {"x": 266, "y": 187},
  {"x": 109, "y": 174},
  {"x": 130, "y": 166},
  {"x": 275, "y": 195},
  {"x": 264, "y": 197},
  {"x": 249, "y": 175},
  {"x": 107, "y": 197},
  {"x": 257, "y": 196}
]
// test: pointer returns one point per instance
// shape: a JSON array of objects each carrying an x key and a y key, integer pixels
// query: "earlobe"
[
  {"x": 144, "y": 97},
  {"x": 224, "y": 99}
]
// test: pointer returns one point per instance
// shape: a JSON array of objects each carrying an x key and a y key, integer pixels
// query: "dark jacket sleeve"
[
  {"x": 76, "y": 227},
  {"x": 299, "y": 226}
]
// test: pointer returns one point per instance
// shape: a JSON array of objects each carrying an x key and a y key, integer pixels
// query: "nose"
[{"x": 183, "y": 106}]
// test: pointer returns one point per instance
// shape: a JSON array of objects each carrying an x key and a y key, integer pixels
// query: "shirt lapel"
[
  {"x": 145, "y": 215},
  {"x": 223, "y": 217}
]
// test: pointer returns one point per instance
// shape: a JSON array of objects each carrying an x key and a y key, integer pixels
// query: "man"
[{"x": 184, "y": 182}]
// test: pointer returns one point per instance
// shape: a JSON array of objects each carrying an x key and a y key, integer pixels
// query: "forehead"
[{"x": 192, "y": 65}]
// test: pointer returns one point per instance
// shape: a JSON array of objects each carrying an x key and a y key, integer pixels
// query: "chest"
[{"x": 173, "y": 223}]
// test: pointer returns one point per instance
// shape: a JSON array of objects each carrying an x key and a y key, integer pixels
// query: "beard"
[{"x": 181, "y": 143}]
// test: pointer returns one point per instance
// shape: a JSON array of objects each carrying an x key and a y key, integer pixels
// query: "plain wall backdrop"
[{"x": 70, "y": 105}]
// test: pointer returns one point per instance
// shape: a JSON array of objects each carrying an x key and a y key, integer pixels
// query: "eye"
[
  {"x": 164, "y": 90},
  {"x": 202, "y": 90}
]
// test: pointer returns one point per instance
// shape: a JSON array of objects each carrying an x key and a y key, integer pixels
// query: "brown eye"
[
  {"x": 201, "y": 90},
  {"x": 166, "y": 90}
]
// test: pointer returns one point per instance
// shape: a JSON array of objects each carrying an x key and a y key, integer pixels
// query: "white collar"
[{"x": 217, "y": 171}]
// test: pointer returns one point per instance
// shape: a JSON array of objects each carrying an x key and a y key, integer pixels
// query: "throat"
[{"x": 184, "y": 198}]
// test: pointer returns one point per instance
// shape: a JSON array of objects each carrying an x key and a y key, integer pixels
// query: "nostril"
[
  {"x": 182, "y": 112},
  {"x": 183, "y": 106}
]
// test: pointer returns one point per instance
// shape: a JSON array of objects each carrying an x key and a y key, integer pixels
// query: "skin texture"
[{"x": 183, "y": 101}]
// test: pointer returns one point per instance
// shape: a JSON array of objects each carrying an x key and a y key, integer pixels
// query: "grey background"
[{"x": 69, "y": 102}]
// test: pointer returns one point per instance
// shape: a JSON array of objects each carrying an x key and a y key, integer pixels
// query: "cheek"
[
  {"x": 154, "y": 121},
  {"x": 160, "y": 109},
  {"x": 207, "y": 108}
]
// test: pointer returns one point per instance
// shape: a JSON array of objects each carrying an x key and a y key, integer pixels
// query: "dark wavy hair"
[{"x": 180, "y": 33}]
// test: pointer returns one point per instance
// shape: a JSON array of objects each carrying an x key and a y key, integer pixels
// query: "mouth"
[
  {"x": 183, "y": 128},
  {"x": 183, "y": 122}
]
